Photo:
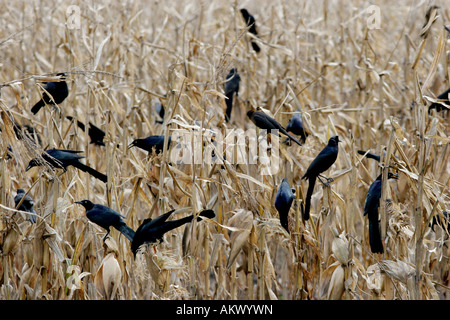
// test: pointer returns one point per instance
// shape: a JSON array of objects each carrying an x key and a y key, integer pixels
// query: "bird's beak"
[
  {"x": 395, "y": 176},
  {"x": 79, "y": 202},
  {"x": 28, "y": 168},
  {"x": 131, "y": 145}
]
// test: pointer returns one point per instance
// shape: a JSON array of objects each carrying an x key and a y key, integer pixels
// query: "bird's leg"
[
  {"x": 106, "y": 235},
  {"x": 327, "y": 183},
  {"x": 328, "y": 179}
]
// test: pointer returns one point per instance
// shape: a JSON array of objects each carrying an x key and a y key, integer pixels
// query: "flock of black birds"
[{"x": 152, "y": 230}]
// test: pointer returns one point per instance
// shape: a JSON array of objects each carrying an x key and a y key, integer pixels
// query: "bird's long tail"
[
  {"x": 255, "y": 46},
  {"x": 229, "y": 103},
  {"x": 169, "y": 225},
  {"x": 37, "y": 106},
  {"x": 126, "y": 231},
  {"x": 291, "y": 137},
  {"x": 284, "y": 221},
  {"x": 376, "y": 246},
  {"x": 91, "y": 171},
  {"x": 312, "y": 182}
]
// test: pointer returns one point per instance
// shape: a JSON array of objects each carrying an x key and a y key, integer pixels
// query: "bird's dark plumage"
[
  {"x": 61, "y": 159},
  {"x": 26, "y": 131},
  {"x": 371, "y": 205},
  {"x": 369, "y": 155},
  {"x": 251, "y": 23},
  {"x": 442, "y": 223},
  {"x": 58, "y": 93},
  {"x": 27, "y": 204},
  {"x": 263, "y": 121},
  {"x": 160, "y": 111},
  {"x": 106, "y": 217},
  {"x": 295, "y": 125},
  {"x": 322, "y": 162},
  {"x": 445, "y": 97},
  {"x": 96, "y": 134},
  {"x": 231, "y": 88},
  {"x": 150, "y": 143},
  {"x": 153, "y": 230},
  {"x": 283, "y": 202}
]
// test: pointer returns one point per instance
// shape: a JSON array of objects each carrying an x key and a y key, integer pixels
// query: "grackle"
[
  {"x": 26, "y": 131},
  {"x": 371, "y": 205},
  {"x": 321, "y": 163},
  {"x": 370, "y": 155},
  {"x": 106, "y": 217},
  {"x": 95, "y": 133},
  {"x": 27, "y": 204},
  {"x": 58, "y": 92},
  {"x": 153, "y": 230},
  {"x": 231, "y": 88},
  {"x": 251, "y": 22},
  {"x": 438, "y": 221},
  {"x": 263, "y": 121},
  {"x": 295, "y": 125},
  {"x": 439, "y": 106},
  {"x": 147, "y": 144},
  {"x": 283, "y": 202},
  {"x": 59, "y": 158}
]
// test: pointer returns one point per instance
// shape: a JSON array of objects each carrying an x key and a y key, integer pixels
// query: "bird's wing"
[{"x": 162, "y": 218}]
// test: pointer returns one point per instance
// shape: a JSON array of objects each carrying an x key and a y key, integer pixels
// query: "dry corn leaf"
[
  {"x": 336, "y": 287},
  {"x": 108, "y": 277},
  {"x": 243, "y": 220}
]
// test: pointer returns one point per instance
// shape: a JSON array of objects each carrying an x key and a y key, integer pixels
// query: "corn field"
[{"x": 365, "y": 71}]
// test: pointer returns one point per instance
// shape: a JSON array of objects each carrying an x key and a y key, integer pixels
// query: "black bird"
[
  {"x": 321, "y": 163},
  {"x": 26, "y": 131},
  {"x": 231, "y": 87},
  {"x": 295, "y": 125},
  {"x": 150, "y": 143},
  {"x": 445, "y": 100},
  {"x": 263, "y": 121},
  {"x": 61, "y": 159},
  {"x": 283, "y": 202},
  {"x": 58, "y": 92},
  {"x": 106, "y": 217},
  {"x": 153, "y": 230},
  {"x": 96, "y": 134},
  {"x": 371, "y": 206},
  {"x": 251, "y": 22},
  {"x": 370, "y": 155},
  {"x": 161, "y": 112},
  {"x": 438, "y": 221},
  {"x": 27, "y": 204}
]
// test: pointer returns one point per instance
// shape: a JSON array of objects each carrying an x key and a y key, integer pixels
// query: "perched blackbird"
[
  {"x": 161, "y": 112},
  {"x": 96, "y": 134},
  {"x": 369, "y": 155},
  {"x": 106, "y": 217},
  {"x": 61, "y": 159},
  {"x": 445, "y": 100},
  {"x": 58, "y": 92},
  {"x": 251, "y": 22},
  {"x": 26, "y": 131},
  {"x": 263, "y": 121},
  {"x": 438, "y": 221},
  {"x": 371, "y": 206},
  {"x": 27, "y": 204},
  {"x": 295, "y": 125},
  {"x": 231, "y": 88},
  {"x": 147, "y": 144},
  {"x": 153, "y": 230},
  {"x": 321, "y": 163},
  {"x": 283, "y": 202}
]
